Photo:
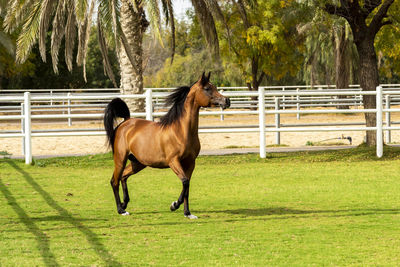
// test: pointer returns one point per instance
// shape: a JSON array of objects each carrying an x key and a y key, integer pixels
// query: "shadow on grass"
[
  {"x": 276, "y": 213},
  {"x": 287, "y": 211},
  {"x": 41, "y": 238}
]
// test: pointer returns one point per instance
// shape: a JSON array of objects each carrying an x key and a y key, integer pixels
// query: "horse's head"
[{"x": 207, "y": 95}]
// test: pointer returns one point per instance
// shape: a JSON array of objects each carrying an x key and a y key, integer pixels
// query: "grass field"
[{"x": 318, "y": 208}]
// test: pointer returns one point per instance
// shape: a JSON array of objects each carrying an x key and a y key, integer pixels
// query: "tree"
[
  {"x": 388, "y": 46},
  {"x": 190, "y": 54},
  {"x": 318, "y": 55},
  {"x": 365, "y": 18},
  {"x": 260, "y": 37},
  {"x": 121, "y": 24},
  {"x": 42, "y": 75},
  {"x": 9, "y": 71}
]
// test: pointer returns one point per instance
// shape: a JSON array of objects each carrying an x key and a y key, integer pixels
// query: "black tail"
[{"x": 117, "y": 108}]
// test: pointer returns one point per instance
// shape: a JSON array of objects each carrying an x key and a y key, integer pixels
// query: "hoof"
[
  {"x": 173, "y": 207},
  {"x": 191, "y": 216},
  {"x": 125, "y": 213}
]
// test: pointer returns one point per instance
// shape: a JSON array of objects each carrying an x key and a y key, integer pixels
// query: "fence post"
[
  {"x": 69, "y": 109},
  {"x": 28, "y": 130},
  {"x": 222, "y": 115},
  {"x": 388, "y": 122},
  {"x": 298, "y": 104},
  {"x": 149, "y": 105},
  {"x": 23, "y": 127},
  {"x": 277, "y": 122},
  {"x": 379, "y": 132},
  {"x": 261, "y": 113}
]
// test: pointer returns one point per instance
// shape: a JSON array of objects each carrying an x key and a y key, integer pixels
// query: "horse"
[{"x": 173, "y": 142}]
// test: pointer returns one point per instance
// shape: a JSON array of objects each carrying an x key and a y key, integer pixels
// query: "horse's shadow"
[{"x": 276, "y": 211}]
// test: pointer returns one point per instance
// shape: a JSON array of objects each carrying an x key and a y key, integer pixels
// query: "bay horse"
[{"x": 173, "y": 142}]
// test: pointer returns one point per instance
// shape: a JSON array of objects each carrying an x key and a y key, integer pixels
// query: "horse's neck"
[{"x": 190, "y": 120}]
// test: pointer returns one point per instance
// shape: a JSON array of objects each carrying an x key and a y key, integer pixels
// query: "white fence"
[
  {"x": 97, "y": 104},
  {"x": 263, "y": 97}
]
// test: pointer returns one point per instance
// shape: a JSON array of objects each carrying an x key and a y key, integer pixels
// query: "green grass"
[{"x": 335, "y": 208}]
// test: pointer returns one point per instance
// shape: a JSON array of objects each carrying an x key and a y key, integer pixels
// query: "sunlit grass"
[{"x": 305, "y": 208}]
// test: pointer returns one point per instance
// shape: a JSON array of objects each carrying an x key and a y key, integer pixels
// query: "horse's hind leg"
[
  {"x": 119, "y": 162},
  {"x": 131, "y": 169}
]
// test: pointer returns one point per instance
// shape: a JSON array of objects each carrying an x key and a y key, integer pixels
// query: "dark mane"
[{"x": 176, "y": 99}]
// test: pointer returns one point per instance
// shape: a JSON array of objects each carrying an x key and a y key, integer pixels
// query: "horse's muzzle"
[
  {"x": 222, "y": 102},
  {"x": 227, "y": 103}
]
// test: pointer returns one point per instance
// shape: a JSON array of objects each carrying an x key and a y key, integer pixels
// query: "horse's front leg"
[{"x": 184, "y": 175}]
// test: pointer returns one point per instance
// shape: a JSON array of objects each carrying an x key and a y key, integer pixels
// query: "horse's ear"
[
  {"x": 203, "y": 80},
  {"x": 208, "y": 77}
]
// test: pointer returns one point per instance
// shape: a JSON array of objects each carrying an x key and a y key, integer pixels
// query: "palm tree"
[
  {"x": 120, "y": 23},
  {"x": 5, "y": 41}
]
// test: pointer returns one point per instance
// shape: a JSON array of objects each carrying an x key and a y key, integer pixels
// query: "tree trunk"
[
  {"x": 342, "y": 63},
  {"x": 256, "y": 81},
  {"x": 357, "y": 16},
  {"x": 369, "y": 80},
  {"x": 133, "y": 25}
]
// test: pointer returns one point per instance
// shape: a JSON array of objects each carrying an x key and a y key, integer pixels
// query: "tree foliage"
[
  {"x": 261, "y": 38},
  {"x": 270, "y": 42},
  {"x": 388, "y": 47},
  {"x": 191, "y": 59}
]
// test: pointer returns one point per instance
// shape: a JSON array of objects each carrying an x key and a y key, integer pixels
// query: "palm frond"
[
  {"x": 104, "y": 14},
  {"x": 108, "y": 27},
  {"x": 29, "y": 33},
  {"x": 115, "y": 15},
  {"x": 104, "y": 52},
  {"x": 70, "y": 37},
  {"x": 82, "y": 28},
  {"x": 169, "y": 16},
  {"x": 83, "y": 39},
  {"x": 47, "y": 11},
  {"x": 155, "y": 19},
  {"x": 58, "y": 32},
  {"x": 80, "y": 9},
  {"x": 16, "y": 13},
  {"x": 207, "y": 25},
  {"x": 136, "y": 5}
]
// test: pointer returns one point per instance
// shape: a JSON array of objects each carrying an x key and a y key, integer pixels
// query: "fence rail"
[
  {"x": 59, "y": 98},
  {"x": 268, "y": 102}
]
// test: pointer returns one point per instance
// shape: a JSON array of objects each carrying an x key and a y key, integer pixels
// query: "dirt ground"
[{"x": 97, "y": 144}]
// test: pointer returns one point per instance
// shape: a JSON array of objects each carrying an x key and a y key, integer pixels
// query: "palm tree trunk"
[{"x": 133, "y": 25}]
